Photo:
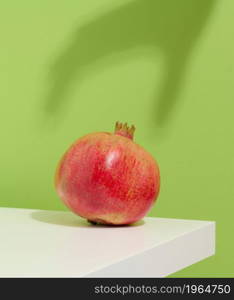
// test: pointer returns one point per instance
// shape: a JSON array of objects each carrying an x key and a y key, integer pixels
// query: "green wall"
[{"x": 72, "y": 67}]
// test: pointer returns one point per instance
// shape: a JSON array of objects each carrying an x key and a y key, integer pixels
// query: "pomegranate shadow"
[{"x": 62, "y": 218}]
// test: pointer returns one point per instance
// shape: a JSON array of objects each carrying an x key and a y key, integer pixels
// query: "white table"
[{"x": 37, "y": 243}]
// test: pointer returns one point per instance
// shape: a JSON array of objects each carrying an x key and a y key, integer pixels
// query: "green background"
[{"x": 72, "y": 67}]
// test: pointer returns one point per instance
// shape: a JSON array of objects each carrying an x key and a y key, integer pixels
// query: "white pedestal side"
[{"x": 37, "y": 243}]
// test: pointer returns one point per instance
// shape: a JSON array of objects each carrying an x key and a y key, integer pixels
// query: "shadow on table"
[{"x": 69, "y": 219}]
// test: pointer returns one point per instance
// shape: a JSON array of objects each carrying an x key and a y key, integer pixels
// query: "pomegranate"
[{"x": 107, "y": 178}]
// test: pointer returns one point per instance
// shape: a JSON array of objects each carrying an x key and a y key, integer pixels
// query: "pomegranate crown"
[{"x": 124, "y": 130}]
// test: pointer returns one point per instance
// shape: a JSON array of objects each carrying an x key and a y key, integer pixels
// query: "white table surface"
[{"x": 37, "y": 243}]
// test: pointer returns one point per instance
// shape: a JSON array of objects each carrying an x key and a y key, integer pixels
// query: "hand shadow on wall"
[{"x": 171, "y": 26}]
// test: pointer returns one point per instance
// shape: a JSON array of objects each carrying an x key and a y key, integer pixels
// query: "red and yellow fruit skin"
[{"x": 107, "y": 178}]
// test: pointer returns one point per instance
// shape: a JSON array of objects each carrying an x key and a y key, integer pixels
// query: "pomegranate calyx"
[{"x": 124, "y": 130}]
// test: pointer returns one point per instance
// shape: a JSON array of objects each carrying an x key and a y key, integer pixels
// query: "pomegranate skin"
[{"x": 108, "y": 179}]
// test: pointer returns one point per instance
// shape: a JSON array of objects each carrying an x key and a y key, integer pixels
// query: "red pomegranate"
[{"x": 107, "y": 178}]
